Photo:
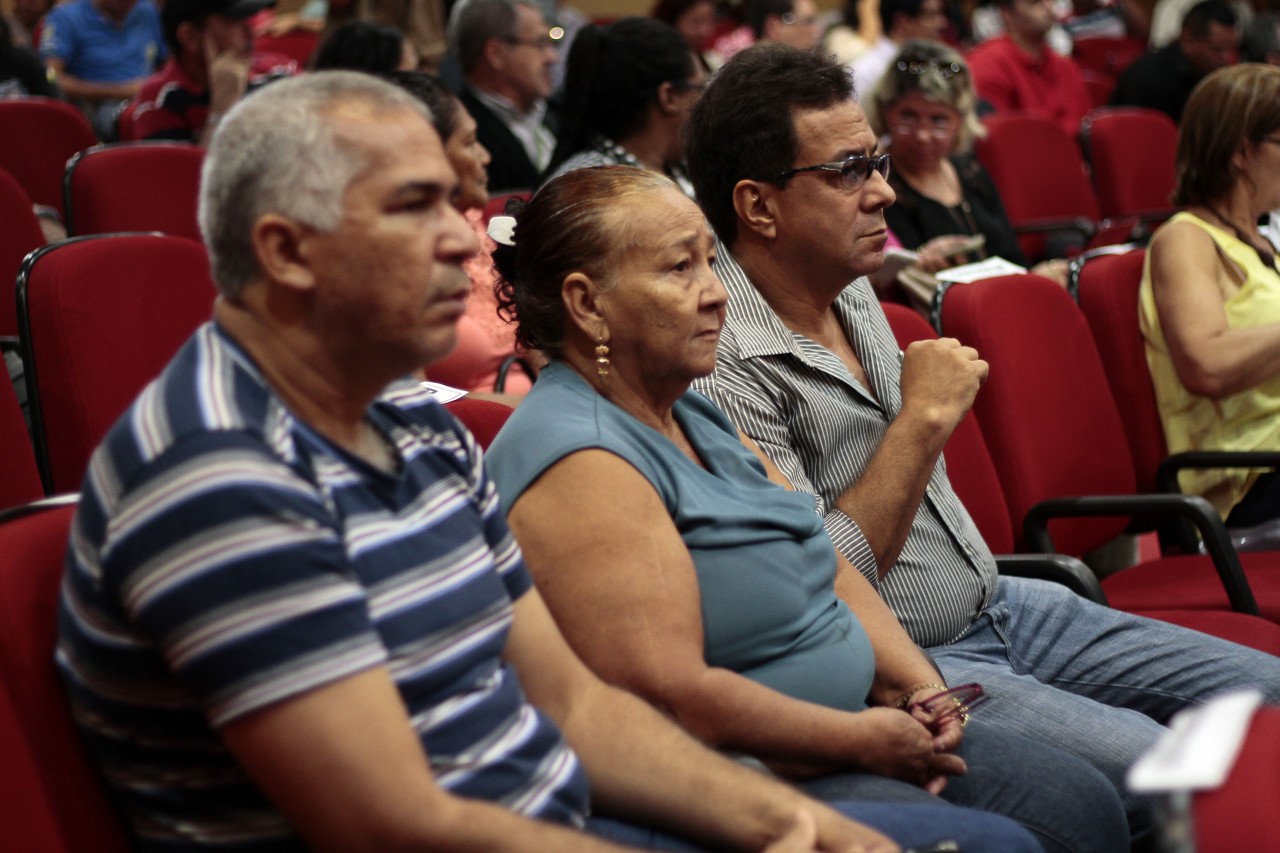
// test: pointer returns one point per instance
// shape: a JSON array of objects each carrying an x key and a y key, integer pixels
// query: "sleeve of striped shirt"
[
  {"x": 747, "y": 398},
  {"x": 231, "y": 564}
]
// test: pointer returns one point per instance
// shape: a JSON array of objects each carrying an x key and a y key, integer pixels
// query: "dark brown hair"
[{"x": 568, "y": 226}]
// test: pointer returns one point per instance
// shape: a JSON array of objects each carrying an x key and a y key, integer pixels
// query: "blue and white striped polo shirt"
[{"x": 225, "y": 557}]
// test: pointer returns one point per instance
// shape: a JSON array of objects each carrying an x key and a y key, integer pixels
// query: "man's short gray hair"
[
  {"x": 473, "y": 22},
  {"x": 278, "y": 152}
]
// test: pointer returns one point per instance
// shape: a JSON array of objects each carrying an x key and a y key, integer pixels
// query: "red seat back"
[
  {"x": 1109, "y": 299},
  {"x": 482, "y": 417},
  {"x": 19, "y": 477},
  {"x": 135, "y": 186},
  {"x": 1132, "y": 152},
  {"x": 37, "y": 138},
  {"x": 19, "y": 235},
  {"x": 1241, "y": 814},
  {"x": 1038, "y": 169},
  {"x": 1046, "y": 412},
  {"x": 1107, "y": 55},
  {"x": 969, "y": 466},
  {"x": 100, "y": 318},
  {"x": 63, "y": 804},
  {"x": 298, "y": 45}
]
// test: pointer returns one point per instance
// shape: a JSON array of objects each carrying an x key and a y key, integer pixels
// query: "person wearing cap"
[{"x": 211, "y": 66}]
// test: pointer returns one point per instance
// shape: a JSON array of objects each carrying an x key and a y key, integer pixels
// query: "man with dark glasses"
[{"x": 787, "y": 172}]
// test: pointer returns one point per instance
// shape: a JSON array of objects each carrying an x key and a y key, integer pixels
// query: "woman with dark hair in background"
[
  {"x": 365, "y": 46},
  {"x": 1210, "y": 298},
  {"x": 485, "y": 356},
  {"x": 630, "y": 87},
  {"x": 695, "y": 21}
]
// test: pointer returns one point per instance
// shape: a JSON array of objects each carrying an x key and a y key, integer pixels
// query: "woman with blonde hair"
[
  {"x": 925, "y": 104},
  {"x": 1210, "y": 296}
]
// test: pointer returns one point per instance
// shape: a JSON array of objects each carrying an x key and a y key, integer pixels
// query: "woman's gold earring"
[{"x": 602, "y": 359}]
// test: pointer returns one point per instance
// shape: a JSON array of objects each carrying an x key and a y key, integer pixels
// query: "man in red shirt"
[
  {"x": 1018, "y": 72},
  {"x": 211, "y": 65}
]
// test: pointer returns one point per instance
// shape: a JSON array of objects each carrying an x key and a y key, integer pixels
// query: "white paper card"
[
  {"x": 990, "y": 268},
  {"x": 1199, "y": 748},
  {"x": 444, "y": 393}
]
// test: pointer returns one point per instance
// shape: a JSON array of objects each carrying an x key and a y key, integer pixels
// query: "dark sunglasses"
[{"x": 854, "y": 171}]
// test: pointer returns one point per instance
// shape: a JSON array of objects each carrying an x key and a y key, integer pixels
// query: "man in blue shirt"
[{"x": 100, "y": 51}]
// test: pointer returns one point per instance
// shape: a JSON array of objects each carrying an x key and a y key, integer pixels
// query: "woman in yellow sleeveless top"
[{"x": 1210, "y": 297}]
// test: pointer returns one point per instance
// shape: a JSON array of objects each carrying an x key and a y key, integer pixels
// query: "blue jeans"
[
  {"x": 911, "y": 825},
  {"x": 1068, "y": 805},
  {"x": 1091, "y": 681}
]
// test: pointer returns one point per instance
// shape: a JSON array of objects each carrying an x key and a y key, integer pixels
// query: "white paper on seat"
[
  {"x": 1200, "y": 747},
  {"x": 444, "y": 393},
  {"x": 990, "y": 268}
]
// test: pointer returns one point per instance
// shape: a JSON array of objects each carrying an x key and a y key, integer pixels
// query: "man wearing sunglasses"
[{"x": 788, "y": 174}]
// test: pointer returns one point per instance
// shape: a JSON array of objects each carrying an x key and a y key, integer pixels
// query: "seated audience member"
[
  {"x": 365, "y": 46},
  {"x": 211, "y": 66},
  {"x": 695, "y": 21},
  {"x": 925, "y": 105},
  {"x": 793, "y": 22},
  {"x": 1163, "y": 80},
  {"x": 1210, "y": 298},
  {"x": 21, "y": 71},
  {"x": 25, "y": 18},
  {"x": 856, "y": 31},
  {"x": 808, "y": 368},
  {"x": 100, "y": 51},
  {"x": 901, "y": 21},
  {"x": 486, "y": 341},
  {"x": 293, "y": 612},
  {"x": 506, "y": 55},
  {"x": 631, "y": 86},
  {"x": 1260, "y": 40},
  {"x": 691, "y": 579},
  {"x": 1167, "y": 17},
  {"x": 1020, "y": 72}
]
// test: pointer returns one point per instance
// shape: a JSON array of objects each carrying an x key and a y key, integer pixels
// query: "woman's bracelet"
[{"x": 905, "y": 699}]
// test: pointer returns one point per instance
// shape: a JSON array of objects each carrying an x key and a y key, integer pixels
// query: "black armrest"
[
  {"x": 1059, "y": 568},
  {"x": 1167, "y": 477},
  {"x": 1189, "y": 507},
  {"x": 1167, "y": 473},
  {"x": 1081, "y": 224}
]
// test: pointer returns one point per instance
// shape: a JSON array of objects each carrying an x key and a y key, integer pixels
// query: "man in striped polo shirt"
[
  {"x": 293, "y": 612},
  {"x": 788, "y": 172}
]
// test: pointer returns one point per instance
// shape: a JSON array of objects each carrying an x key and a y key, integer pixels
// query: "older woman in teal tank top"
[{"x": 674, "y": 559}]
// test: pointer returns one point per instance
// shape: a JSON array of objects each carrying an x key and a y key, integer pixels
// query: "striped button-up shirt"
[{"x": 800, "y": 403}]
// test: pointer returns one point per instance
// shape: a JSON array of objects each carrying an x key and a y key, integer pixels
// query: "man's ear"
[
  {"x": 668, "y": 98},
  {"x": 278, "y": 245},
  {"x": 754, "y": 203},
  {"x": 583, "y": 306},
  {"x": 494, "y": 54}
]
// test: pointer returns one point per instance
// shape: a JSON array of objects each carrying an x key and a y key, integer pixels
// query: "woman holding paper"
[{"x": 925, "y": 103}]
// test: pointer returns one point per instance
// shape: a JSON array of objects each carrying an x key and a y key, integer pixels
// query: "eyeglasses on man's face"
[
  {"x": 542, "y": 43},
  {"x": 854, "y": 171},
  {"x": 791, "y": 20}
]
